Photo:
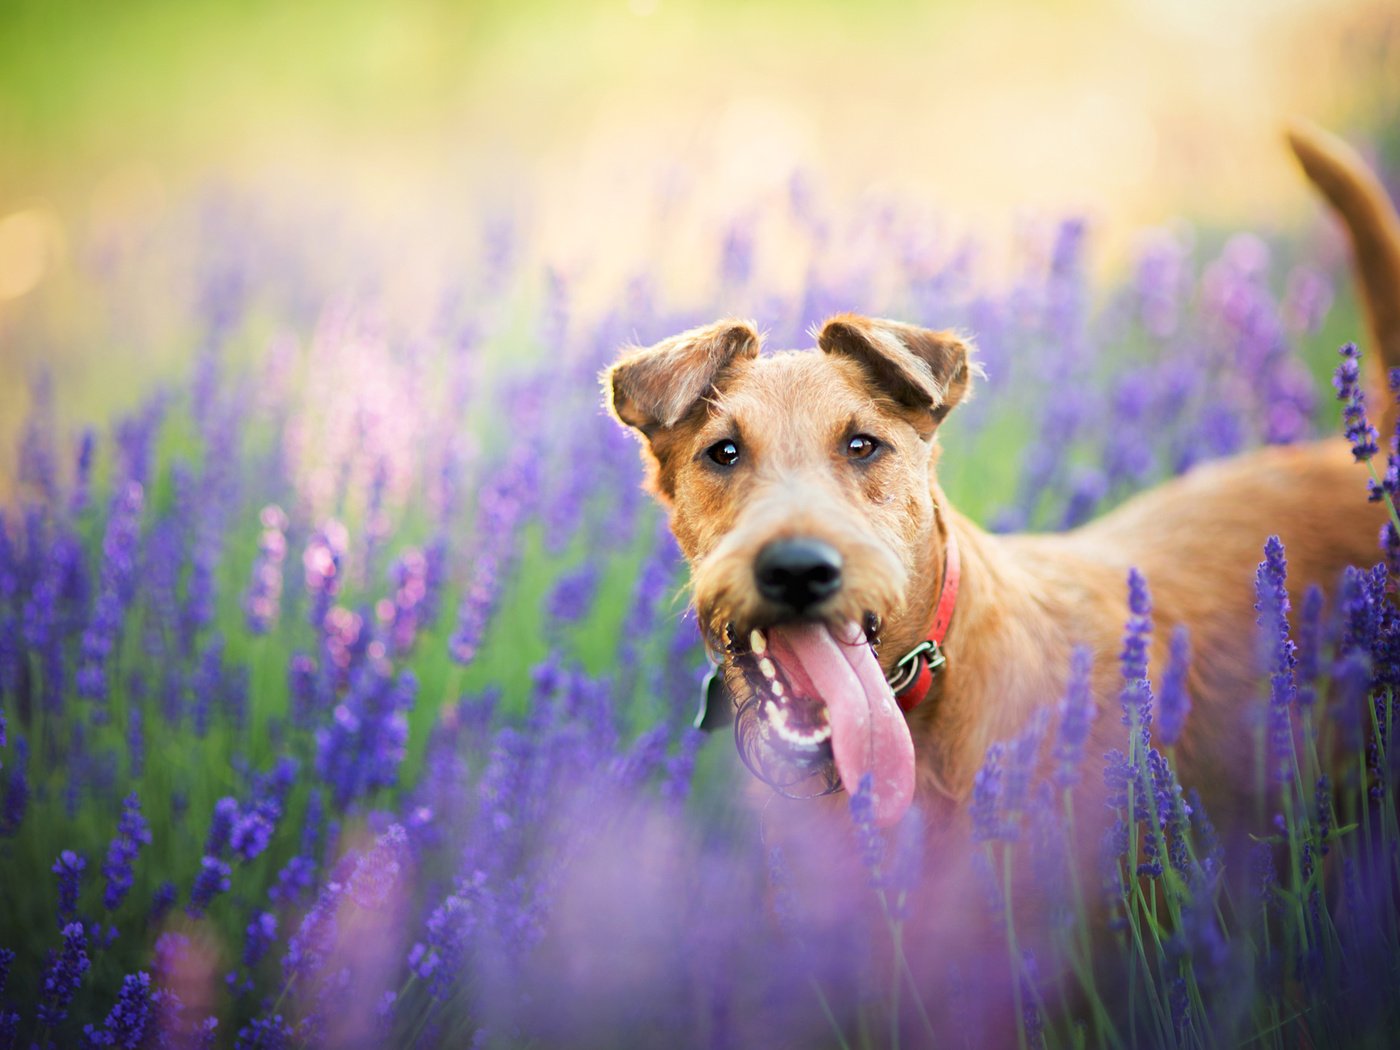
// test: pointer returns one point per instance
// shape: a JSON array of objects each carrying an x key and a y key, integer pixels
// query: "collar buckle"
[{"x": 906, "y": 671}]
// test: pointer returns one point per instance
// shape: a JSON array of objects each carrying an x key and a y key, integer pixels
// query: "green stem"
[
  {"x": 1081, "y": 953},
  {"x": 1011, "y": 946},
  {"x": 1389, "y": 502},
  {"x": 830, "y": 1017},
  {"x": 897, "y": 939}
]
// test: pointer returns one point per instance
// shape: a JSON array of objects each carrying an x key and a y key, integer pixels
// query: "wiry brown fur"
[{"x": 1027, "y": 600}]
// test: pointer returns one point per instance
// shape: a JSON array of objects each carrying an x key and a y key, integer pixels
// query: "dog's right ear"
[
  {"x": 652, "y": 388},
  {"x": 924, "y": 370}
]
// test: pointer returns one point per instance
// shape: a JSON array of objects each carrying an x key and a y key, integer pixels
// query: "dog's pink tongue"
[{"x": 868, "y": 731}]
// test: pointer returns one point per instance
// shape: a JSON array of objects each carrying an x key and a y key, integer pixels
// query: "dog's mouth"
[{"x": 820, "y": 715}]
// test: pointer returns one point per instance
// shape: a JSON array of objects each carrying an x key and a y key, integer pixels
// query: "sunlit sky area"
[{"x": 1128, "y": 111}]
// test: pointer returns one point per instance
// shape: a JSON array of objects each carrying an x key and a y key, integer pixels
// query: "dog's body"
[{"x": 825, "y": 462}]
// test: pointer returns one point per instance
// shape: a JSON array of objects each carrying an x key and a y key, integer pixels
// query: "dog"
[{"x": 830, "y": 572}]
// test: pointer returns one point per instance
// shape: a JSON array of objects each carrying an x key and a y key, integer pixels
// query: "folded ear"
[
  {"x": 919, "y": 368},
  {"x": 652, "y": 388}
]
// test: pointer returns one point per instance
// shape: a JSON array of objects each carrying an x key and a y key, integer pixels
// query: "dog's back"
[{"x": 1198, "y": 539}]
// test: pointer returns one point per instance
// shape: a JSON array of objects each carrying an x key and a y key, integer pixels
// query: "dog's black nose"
[{"x": 798, "y": 573}]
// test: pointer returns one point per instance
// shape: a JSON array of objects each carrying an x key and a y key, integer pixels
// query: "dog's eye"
[
  {"x": 862, "y": 446},
  {"x": 725, "y": 453}
]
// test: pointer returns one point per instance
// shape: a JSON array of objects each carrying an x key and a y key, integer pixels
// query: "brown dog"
[{"x": 801, "y": 488}]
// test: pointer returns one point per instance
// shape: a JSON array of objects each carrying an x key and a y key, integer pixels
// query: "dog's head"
[{"x": 800, "y": 488}]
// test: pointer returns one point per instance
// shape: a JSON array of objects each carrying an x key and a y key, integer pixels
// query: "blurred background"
[
  {"x": 307, "y": 493},
  {"x": 417, "y": 122}
]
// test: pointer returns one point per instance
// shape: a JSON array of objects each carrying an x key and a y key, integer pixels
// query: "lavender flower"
[
  {"x": 269, "y": 1033},
  {"x": 986, "y": 796},
  {"x": 411, "y": 603},
  {"x": 321, "y": 562},
  {"x": 1174, "y": 704},
  {"x": 362, "y": 748},
  {"x": 1179, "y": 1001},
  {"x": 571, "y": 597},
  {"x": 437, "y": 959},
  {"x": 1171, "y": 813},
  {"x": 212, "y": 880},
  {"x": 69, "y": 869},
  {"x": 169, "y": 954},
  {"x": 1309, "y": 651},
  {"x": 376, "y": 873},
  {"x": 1347, "y": 382},
  {"x": 503, "y": 503},
  {"x": 260, "y": 935},
  {"x": 1351, "y": 683},
  {"x": 1388, "y": 487},
  {"x": 132, "y": 833},
  {"x": 63, "y": 975},
  {"x": 1277, "y": 651},
  {"x": 208, "y": 684},
  {"x": 1136, "y": 696},
  {"x": 780, "y": 884},
  {"x": 1022, "y": 757},
  {"x": 221, "y": 826},
  {"x": 130, "y": 1018},
  {"x": 114, "y": 592},
  {"x": 872, "y": 844},
  {"x": 906, "y": 862},
  {"x": 1263, "y": 875},
  {"x": 1088, "y": 486},
  {"x": 252, "y": 830},
  {"x": 16, "y": 790},
  {"x": 308, "y": 949},
  {"x": 161, "y": 901},
  {"x": 1138, "y": 634},
  {"x": 294, "y": 881},
  {"x": 136, "y": 742},
  {"x": 262, "y": 602},
  {"x": 1322, "y": 809},
  {"x": 303, "y": 683}
]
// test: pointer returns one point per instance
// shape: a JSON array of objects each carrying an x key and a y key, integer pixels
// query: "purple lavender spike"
[
  {"x": 1276, "y": 650},
  {"x": 1347, "y": 382},
  {"x": 132, "y": 833},
  {"x": 64, "y": 975},
  {"x": 1174, "y": 704},
  {"x": 985, "y": 807},
  {"x": 573, "y": 594},
  {"x": 1136, "y": 696},
  {"x": 212, "y": 880},
  {"x": 1310, "y": 632},
  {"x": 69, "y": 869},
  {"x": 119, "y": 545},
  {"x": 1077, "y": 712},
  {"x": 16, "y": 790},
  {"x": 262, "y": 602},
  {"x": 129, "y": 1019}
]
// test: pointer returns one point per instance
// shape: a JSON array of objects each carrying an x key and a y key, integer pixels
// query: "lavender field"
[{"x": 346, "y": 674}]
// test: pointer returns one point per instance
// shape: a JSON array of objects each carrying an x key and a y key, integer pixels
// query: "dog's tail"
[{"x": 1358, "y": 196}]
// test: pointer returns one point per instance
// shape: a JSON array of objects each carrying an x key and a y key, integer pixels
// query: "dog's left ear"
[
  {"x": 651, "y": 388},
  {"x": 921, "y": 369}
]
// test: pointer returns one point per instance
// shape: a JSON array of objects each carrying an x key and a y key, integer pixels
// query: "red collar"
[{"x": 913, "y": 675}]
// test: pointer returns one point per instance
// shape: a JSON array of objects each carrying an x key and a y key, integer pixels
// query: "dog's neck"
[{"x": 988, "y": 687}]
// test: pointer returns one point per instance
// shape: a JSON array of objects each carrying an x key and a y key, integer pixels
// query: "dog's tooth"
[
  {"x": 766, "y": 666},
  {"x": 781, "y": 724},
  {"x": 757, "y": 642},
  {"x": 776, "y": 687}
]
